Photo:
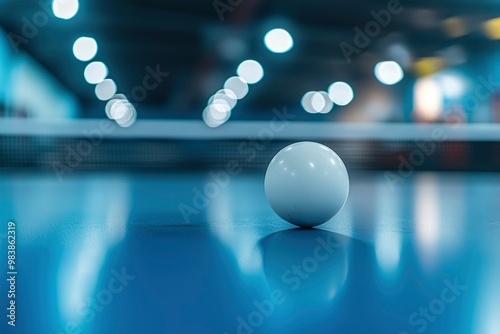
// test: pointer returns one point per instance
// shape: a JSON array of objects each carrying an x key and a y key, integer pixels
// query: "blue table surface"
[{"x": 181, "y": 253}]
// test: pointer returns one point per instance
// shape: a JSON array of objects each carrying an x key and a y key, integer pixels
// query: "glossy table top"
[{"x": 149, "y": 253}]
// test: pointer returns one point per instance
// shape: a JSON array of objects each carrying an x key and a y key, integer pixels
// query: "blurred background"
[
  {"x": 334, "y": 61},
  {"x": 360, "y": 75}
]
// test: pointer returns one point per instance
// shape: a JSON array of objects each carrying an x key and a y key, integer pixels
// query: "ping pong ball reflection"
[{"x": 306, "y": 184}]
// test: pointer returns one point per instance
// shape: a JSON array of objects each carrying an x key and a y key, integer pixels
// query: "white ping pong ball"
[{"x": 306, "y": 184}]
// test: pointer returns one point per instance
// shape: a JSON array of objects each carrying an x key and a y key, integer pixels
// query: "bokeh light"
[
  {"x": 306, "y": 102},
  {"x": 251, "y": 71},
  {"x": 328, "y": 105},
  {"x": 224, "y": 94},
  {"x": 105, "y": 90},
  {"x": 129, "y": 121},
  {"x": 453, "y": 85},
  {"x": 318, "y": 102},
  {"x": 124, "y": 113},
  {"x": 388, "y": 72},
  {"x": 95, "y": 72},
  {"x": 85, "y": 48},
  {"x": 492, "y": 28},
  {"x": 340, "y": 93},
  {"x": 109, "y": 105},
  {"x": 216, "y": 114},
  {"x": 65, "y": 9},
  {"x": 428, "y": 65},
  {"x": 121, "y": 110},
  {"x": 238, "y": 86},
  {"x": 428, "y": 100},
  {"x": 455, "y": 27},
  {"x": 278, "y": 40}
]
